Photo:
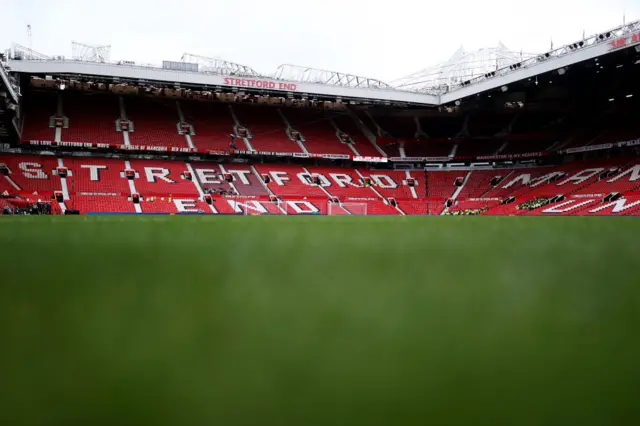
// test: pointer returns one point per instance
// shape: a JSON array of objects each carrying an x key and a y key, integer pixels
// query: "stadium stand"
[
  {"x": 362, "y": 145},
  {"x": 320, "y": 137},
  {"x": 267, "y": 128},
  {"x": 30, "y": 173},
  {"x": 99, "y": 204},
  {"x": 212, "y": 124},
  {"x": 38, "y": 112},
  {"x": 103, "y": 185},
  {"x": 92, "y": 118},
  {"x": 526, "y": 149},
  {"x": 155, "y": 122}
]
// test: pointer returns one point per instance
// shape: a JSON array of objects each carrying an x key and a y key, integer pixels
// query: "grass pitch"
[{"x": 266, "y": 321}]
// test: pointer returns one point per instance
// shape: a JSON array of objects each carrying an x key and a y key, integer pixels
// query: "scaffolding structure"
[
  {"x": 313, "y": 75},
  {"x": 219, "y": 66},
  {"x": 23, "y": 52},
  {"x": 462, "y": 67},
  {"x": 87, "y": 53}
]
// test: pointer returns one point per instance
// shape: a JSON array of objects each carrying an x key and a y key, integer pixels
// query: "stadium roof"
[
  {"x": 462, "y": 66},
  {"x": 464, "y": 74}
]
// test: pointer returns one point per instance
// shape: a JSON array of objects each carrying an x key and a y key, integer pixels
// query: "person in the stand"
[{"x": 232, "y": 143}]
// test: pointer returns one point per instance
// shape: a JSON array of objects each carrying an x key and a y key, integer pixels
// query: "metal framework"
[
  {"x": 219, "y": 66},
  {"x": 443, "y": 78},
  {"x": 87, "y": 53},
  {"x": 22, "y": 52},
  {"x": 463, "y": 66},
  {"x": 334, "y": 78}
]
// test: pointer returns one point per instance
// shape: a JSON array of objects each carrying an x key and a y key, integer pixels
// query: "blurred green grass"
[{"x": 161, "y": 320}]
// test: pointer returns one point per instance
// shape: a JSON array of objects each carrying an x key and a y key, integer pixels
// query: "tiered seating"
[
  {"x": 504, "y": 210},
  {"x": 96, "y": 175},
  {"x": 155, "y": 122},
  {"x": 38, "y": 108},
  {"x": 162, "y": 178},
  {"x": 245, "y": 180},
  {"x": 5, "y": 185},
  {"x": 523, "y": 182},
  {"x": 91, "y": 119},
  {"x": 210, "y": 177},
  {"x": 378, "y": 207},
  {"x": 478, "y": 184},
  {"x": 346, "y": 124},
  {"x": 422, "y": 207},
  {"x": 33, "y": 173},
  {"x": 267, "y": 128},
  {"x": 367, "y": 121},
  {"x": 292, "y": 184},
  {"x": 441, "y": 184},
  {"x": 212, "y": 123},
  {"x": 476, "y": 204},
  {"x": 320, "y": 135},
  {"x": 623, "y": 182},
  {"x": 634, "y": 211},
  {"x": 393, "y": 184},
  {"x": 4, "y": 203},
  {"x": 392, "y": 149},
  {"x": 170, "y": 205},
  {"x": 100, "y": 204},
  {"x": 343, "y": 182}
]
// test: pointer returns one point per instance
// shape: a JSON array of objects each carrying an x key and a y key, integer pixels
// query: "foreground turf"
[{"x": 319, "y": 321}]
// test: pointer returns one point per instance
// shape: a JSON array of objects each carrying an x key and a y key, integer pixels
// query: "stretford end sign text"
[{"x": 260, "y": 84}]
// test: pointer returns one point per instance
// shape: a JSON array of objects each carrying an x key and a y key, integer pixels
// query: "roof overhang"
[
  {"x": 555, "y": 60},
  {"x": 149, "y": 74}
]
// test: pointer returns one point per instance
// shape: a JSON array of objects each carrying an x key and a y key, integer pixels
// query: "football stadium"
[{"x": 483, "y": 270}]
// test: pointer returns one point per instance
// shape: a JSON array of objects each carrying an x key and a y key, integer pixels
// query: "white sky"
[{"x": 375, "y": 38}]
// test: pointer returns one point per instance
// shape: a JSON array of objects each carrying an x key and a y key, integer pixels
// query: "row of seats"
[
  {"x": 94, "y": 118},
  {"x": 415, "y": 192}
]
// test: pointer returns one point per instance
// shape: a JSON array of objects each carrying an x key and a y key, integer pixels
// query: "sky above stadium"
[{"x": 375, "y": 38}]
